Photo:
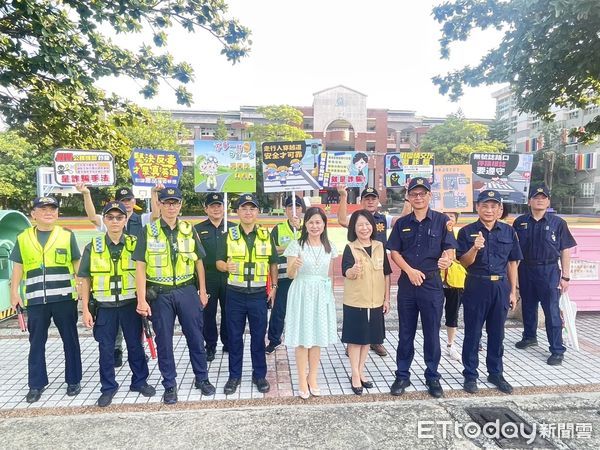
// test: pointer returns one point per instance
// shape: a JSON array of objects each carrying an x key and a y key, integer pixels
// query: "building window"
[
  {"x": 574, "y": 114},
  {"x": 587, "y": 190}
]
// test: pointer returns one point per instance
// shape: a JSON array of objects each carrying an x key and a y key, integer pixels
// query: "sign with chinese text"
[
  {"x": 349, "y": 168},
  {"x": 584, "y": 270},
  {"x": 224, "y": 166},
  {"x": 291, "y": 166},
  {"x": 452, "y": 189},
  {"x": 150, "y": 167},
  {"x": 507, "y": 173},
  {"x": 400, "y": 168},
  {"x": 93, "y": 168}
]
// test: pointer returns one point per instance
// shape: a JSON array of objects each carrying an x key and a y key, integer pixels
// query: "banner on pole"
[
  {"x": 507, "y": 173},
  {"x": 90, "y": 167},
  {"x": 224, "y": 166},
  {"x": 150, "y": 167},
  {"x": 291, "y": 166},
  {"x": 400, "y": 168},
  {"x": 452, "y": 189},
  {"x": 349, "y": 168}
]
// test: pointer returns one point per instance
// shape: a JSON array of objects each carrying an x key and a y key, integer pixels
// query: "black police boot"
[
  {"x": 526, "y": 342},
  {"x": 106, "y": 399},
  {"x": 73, "y": 389},
  {"x": 231, "y": 386},
  {"x": 262, "y": 385},
  {"x": 34, "y": 395},
  {"x": 500, "y": 383},
  {"x": 170, "y": 396},
  {"x": 146, "y": 390},
  {"x": 470, "y": 386},
  {"x": 434, "y": 388},
  {"x": 210, "y": 354},
  {"x": 555, "y": 359},
  {"x": 205, "y": 387},
  {"x": 399, "y": 386}
]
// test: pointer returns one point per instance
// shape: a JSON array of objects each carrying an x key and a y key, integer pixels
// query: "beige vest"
[{"x": 367, "y": 291}]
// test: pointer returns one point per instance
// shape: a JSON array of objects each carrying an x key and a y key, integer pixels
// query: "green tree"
[
  {"x": 552, "y": 166},
  {"x": 285, "y": 124},
  {"x": 18, "y": 163},
  {"x": 453, "y": 141},
  {"x": 499, "y": 131},
  {"x": 548, "y": 54},
  {"x": 221, "y": 131},
  {"x": 52, "y": 53}
]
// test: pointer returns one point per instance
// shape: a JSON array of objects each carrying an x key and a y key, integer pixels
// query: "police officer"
[
  {"x": 169, "y": 256},
  {"x": 421, "y": 244},
  {"x": 133, "y": 226},
  {"x": 249, "y": 256},
  {"x": 46, "y": 257},
  {"x": 213, "y": 235},
  {"x": 489, "y": 250},
  {"x": 545, "y": 240},
  {"x": 283, "y": 234},
  {"x": 107, "y": 270},
  {"x": 369, "y": 200}
]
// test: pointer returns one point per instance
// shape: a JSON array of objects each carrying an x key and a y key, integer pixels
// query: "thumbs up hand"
[
  {"x": 479, "y": 241},
  {"x": 445, "y": 261}
]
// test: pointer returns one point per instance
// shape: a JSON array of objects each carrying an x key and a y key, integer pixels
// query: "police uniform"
[
  {"x": 214, "y": 237},
  {"x": 486, "y": 295},
  {"x": 48, "y": 259},
  {"x": 247, "y": 297},
  {"x": 282, "y": 235},
  {"x": 170, "y": 256},
  {"x": 382, "y": 222},
  {"x": 111, "y": 271},
  {"x": 421, "y": 244},
  {"x": 542, "y": 242},
  {"x": 135, "y": 222}
]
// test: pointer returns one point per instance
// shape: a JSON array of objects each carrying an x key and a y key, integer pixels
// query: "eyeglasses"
[
  {"x": 118, "y": 218},
  {"x": 417, "y": 194},
  {"x": 171, "y": 204}
]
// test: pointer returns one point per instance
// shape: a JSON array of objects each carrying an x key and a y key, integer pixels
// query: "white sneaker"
[{"x": 453, "y": 353}]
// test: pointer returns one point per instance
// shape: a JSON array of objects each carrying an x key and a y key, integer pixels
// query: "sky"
[{"x": 386, "y": 49}]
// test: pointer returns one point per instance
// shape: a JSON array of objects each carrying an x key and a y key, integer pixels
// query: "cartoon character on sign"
[
  {"x": 271, "y": 172},
  {"x": 283, "y": 173},
  {"x": 247, "y": 151},
  {"x": 209, "y": 167},
  {"x": 296, "y": 166},
  {"x": 359, "y": 162},
  {"x": 394, "y": 179}
]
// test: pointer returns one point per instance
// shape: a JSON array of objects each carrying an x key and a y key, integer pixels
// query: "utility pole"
[{"x": 549, "y": 158}]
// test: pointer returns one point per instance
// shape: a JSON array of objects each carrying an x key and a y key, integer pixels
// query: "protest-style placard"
[
  {"x": 452, "y": 189},
  {"x": 90, "y": 167},
  {"x": 150, "y": 167},
  {"x": 348, "y": 168},
  {"x": 507, "y": 173},
  {"x": 291, "y": 166},
  {"x": 224, "y": 166},
  {"x": 400, "y": 168}
]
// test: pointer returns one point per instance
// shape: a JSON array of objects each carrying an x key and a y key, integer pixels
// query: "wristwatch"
[
  {"x": 566, "y": 278},
  {"x": 273, "y": 286}
]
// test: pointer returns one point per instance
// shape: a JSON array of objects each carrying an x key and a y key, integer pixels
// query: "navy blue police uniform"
[
  {"x": 247, "y": 302},
  {"x": 50, "y": 299},
  {"x": 281, "y": 239},
  {"x": 487, "y": 290},
  {"x": 176, "y": 299},
  {"x": 542, "y": 242},
  {"x": 421, "y": 244},
  {"x": 116, "y": 306},
  {"x": 381, "y": 220},
  {"x": 134, "y": 225},
  {"x": 214, "y": 237}
]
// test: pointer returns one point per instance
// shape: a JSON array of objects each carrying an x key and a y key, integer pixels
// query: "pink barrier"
[{"x": 584, "y": 288}]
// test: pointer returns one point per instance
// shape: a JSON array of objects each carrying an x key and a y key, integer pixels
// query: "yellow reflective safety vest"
[
  {"x": 285, "y": 235},
  {"x": 48, "y": 271},
  {"x": 159, "y": 255},
  {"x": 253, "y": 265},
  {"x": 112, "y": 282}
]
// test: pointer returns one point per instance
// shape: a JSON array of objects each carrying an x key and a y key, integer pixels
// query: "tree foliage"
[
  {"x": 221, "y": 130},
  {"x": 548, "y": 54},
  {"x": 453, "y": 141},
  {"x": 53, "y": 52}
]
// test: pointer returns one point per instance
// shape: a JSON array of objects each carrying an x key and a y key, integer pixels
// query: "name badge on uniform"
[
  {"x": 474, "y": 235},
  {"x": 285, "y": 239},
  {"x": 406, "y": 229},
  {"x": 157, "y": 246},
  {"x": 547, "y": 227},
  {"x": 204, "y": 232},
  {"x": 524, "y": 225}
]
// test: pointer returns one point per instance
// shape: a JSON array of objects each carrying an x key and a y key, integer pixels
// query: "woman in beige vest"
[{"x": 366, "y": 269}]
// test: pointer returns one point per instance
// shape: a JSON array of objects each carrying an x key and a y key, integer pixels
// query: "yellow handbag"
[{"x": 455, "y": 275}]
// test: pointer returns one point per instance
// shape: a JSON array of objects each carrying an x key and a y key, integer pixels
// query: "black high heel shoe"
[
  {"x": 366, "y": 384},
  {"x": 356, "y": 390}
]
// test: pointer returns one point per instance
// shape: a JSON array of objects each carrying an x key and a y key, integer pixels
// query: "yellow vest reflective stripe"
[
  {"x": 159, "y": 262},
  {"x": 48, "y": 271},
  {"x": 285, "y": 235},
  {"x": 253, "y": 266},
  {"x": 109, "y": 281}
]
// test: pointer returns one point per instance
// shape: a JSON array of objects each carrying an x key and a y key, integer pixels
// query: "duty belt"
[
  {"x": 540, "y": 262},
  {"x": 163, "y": 288},
  {"x": 487, "y": 277}
]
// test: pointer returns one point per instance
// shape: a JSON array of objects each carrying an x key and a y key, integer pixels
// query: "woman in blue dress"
[{"x": 310, "y": 320}]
